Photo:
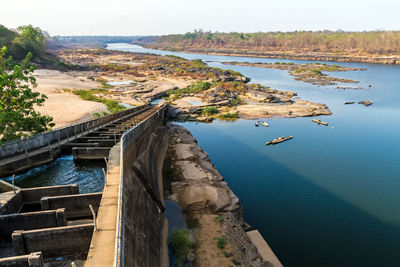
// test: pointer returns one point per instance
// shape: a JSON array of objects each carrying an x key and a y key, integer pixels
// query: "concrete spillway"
[
  {"x": 41, "y": 224},
  {"x": 90, "y": 140}
]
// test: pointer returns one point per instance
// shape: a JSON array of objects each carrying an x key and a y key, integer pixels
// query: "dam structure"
[{"x": 124, "y": 225}]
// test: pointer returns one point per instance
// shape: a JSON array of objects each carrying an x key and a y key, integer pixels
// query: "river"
[{"x": 330, "y": 196}]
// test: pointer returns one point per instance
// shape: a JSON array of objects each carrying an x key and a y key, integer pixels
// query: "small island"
[{"x": 309, "y": 72}]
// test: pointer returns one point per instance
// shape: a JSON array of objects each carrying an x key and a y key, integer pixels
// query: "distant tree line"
[
  {"x": 99, "y": 41},
  {"x": 372, "y": 42}
]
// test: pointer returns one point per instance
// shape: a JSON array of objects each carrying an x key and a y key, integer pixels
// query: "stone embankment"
[{"x": 204, "y": 196}]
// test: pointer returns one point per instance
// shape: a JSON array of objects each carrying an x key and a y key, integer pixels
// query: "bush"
[
  {"x": 210, "y": 110},
  {"x": 219, "y": 218},
  {"x": 235, "y": 101},
  {"x": 220, "y": 242},
  {"x": 180, "y": 242},
  {"x": 192, "y": 222}
]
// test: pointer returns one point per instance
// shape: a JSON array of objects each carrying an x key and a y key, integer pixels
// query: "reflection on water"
[
  {"x": 115, "y": 83},
  {"x": 195, "y": 102},
  {"x": 157, "y": 101},
  {"x": 176, "y": 220},
  {"x": 330, "y": 196}
]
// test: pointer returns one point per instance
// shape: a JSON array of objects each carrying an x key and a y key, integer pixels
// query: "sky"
[{"x": 158, "y": 17}]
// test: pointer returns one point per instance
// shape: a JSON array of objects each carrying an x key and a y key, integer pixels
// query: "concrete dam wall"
[{"x": 132, "y": 229}]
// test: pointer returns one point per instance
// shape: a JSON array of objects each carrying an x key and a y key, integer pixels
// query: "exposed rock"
[
  {"x": 172, "y": 113},
  {"x": 366, "y": 103},
  {"x": 202, "y": 193}
]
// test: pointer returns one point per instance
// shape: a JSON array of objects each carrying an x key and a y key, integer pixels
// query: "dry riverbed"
[{"x": 195, "y": 90}]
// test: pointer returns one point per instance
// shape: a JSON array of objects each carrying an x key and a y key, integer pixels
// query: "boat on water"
[
  {"x": 319, "y": 122},
  {"x": 264, "y": 123},
  {"x": 278, "y": 140}
]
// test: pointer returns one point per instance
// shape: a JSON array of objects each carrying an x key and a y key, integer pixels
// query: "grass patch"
[
  {"x": 210, "y": 110},
  {"x": 180, "y": 242},
  {"x": 229, "y": 116},
  {"x": 191, "y": 89},
  {"x": 112, "y": 105}
]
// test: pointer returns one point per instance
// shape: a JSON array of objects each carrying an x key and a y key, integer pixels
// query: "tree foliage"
[
  {"x": 22, "y": 41},
  {"x": 17, "y": 100},
  {"x": 373, "y": 42}
]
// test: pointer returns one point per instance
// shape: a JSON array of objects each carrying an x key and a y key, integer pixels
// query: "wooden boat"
[
  {"x": 264, "y": 123},
  {"x": 349, "y": 103},
  {"x": 278, "y": 140},
  {"x": 320, "y": 122}
]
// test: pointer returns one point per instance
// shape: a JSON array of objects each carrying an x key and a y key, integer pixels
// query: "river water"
[{"x": 330, "y": 196}]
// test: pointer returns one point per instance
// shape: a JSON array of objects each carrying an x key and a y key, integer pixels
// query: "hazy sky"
[{"x": 153, "y": 17}]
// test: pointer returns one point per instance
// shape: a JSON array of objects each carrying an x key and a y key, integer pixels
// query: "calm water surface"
[{"x": 330, "y": 196}]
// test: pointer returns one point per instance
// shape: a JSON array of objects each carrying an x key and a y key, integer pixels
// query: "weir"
[{"x": 130, "y": 228}]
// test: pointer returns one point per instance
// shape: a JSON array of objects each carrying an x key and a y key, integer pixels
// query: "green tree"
[
  {"x": 30, "y": 39},
  {"x": 17, "y": 100}
]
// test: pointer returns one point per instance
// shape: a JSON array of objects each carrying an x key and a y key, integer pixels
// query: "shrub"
[
  {"x": 220, "y": 242},
  {"x": 235, "y": 101},
  {"x": 192, "y": 222},
  {"x": 219, "y": 218},
  {"x": 179, "y": 241},
  {"x": 316, "y": 72},
  {"x": 227, "y": 254},
  {"x": 235, "y": 262}
]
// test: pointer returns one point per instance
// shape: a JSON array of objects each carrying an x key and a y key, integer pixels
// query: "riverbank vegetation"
[{"x": 373, "y": 43}]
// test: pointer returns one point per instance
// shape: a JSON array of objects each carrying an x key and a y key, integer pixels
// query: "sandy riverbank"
[{"x": 65, "y": 108}]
